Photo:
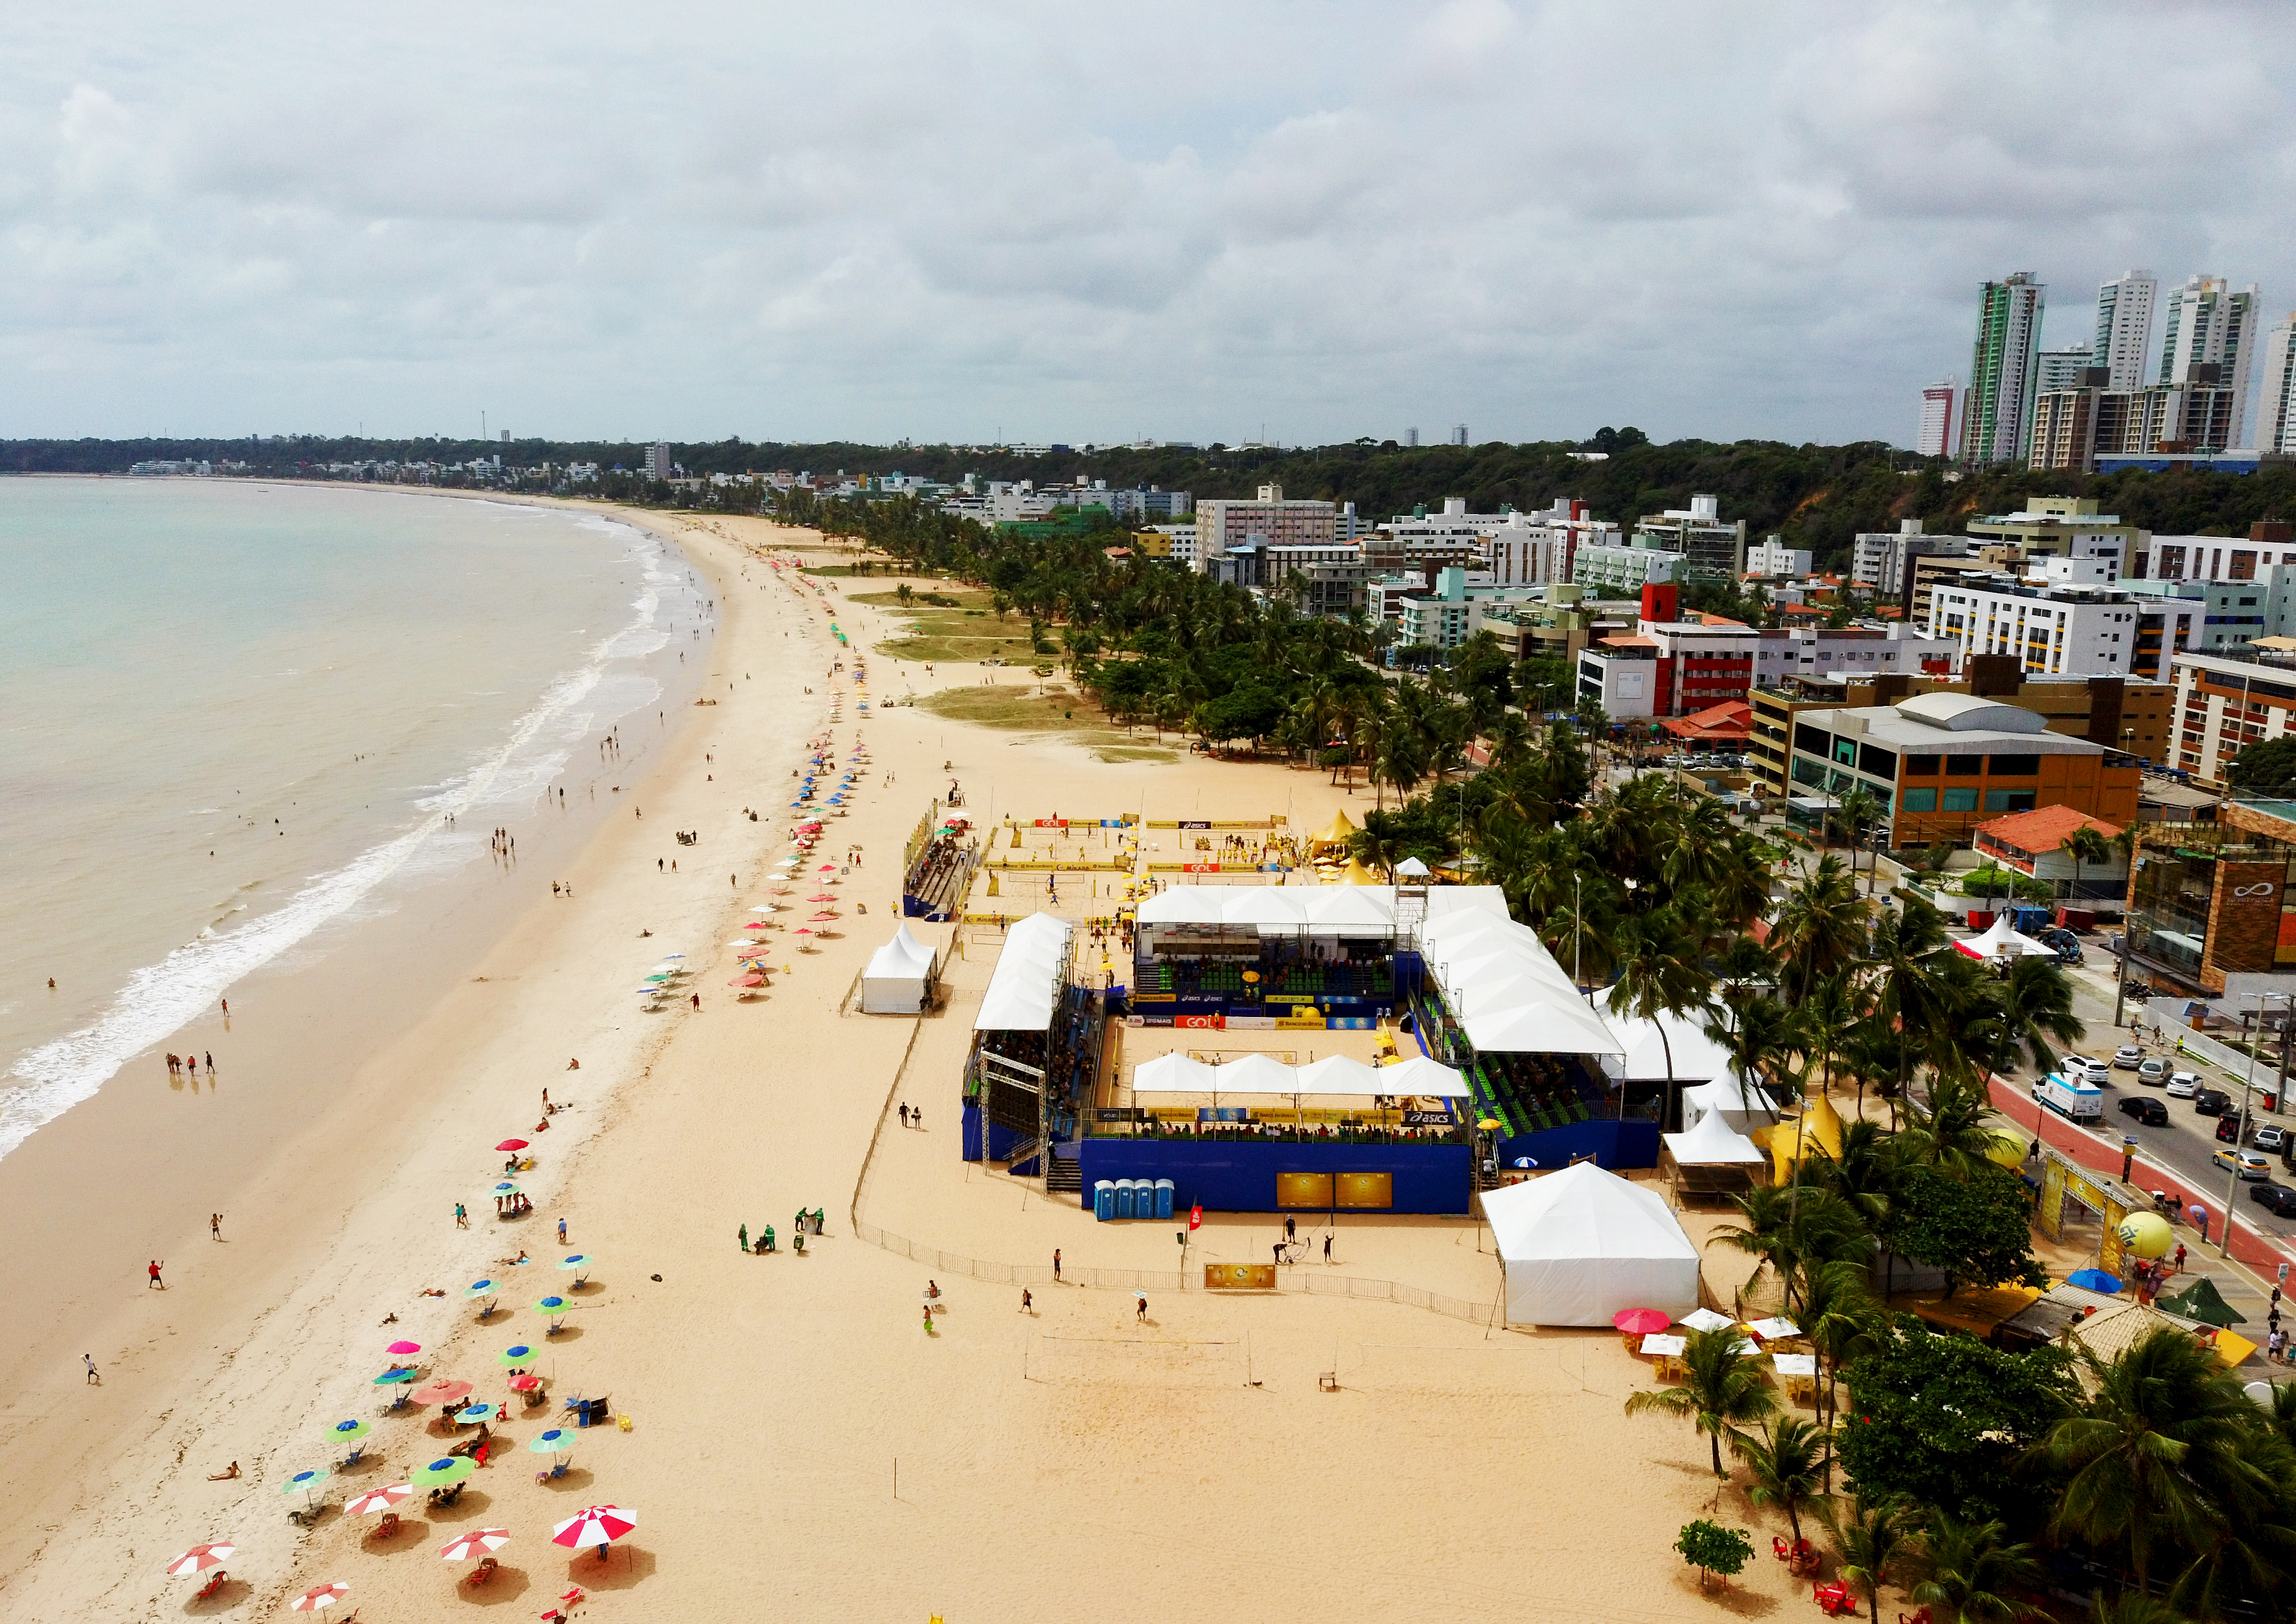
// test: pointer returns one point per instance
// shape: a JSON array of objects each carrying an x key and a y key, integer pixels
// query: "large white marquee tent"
[
  {"x": 1580, "y": 1245},
  {"x": 898, "y": 976},
  {"x": 1025, "y": 989},
  {"x": 1505, "y": 989}
]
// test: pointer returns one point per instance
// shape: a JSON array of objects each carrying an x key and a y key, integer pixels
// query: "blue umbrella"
[
  {"x": 477, "y": 1412},
  {"x": 389, "y": 1376},
  {"x": 2093, "y": 1280}
]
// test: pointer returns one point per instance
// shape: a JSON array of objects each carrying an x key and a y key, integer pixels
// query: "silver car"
[{"x": 2152, "y": 1072}]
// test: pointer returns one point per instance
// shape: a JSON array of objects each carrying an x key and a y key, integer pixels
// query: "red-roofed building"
[
  {"x": 2033, "y": 843},
  {"x": 1721, "y": 728}
]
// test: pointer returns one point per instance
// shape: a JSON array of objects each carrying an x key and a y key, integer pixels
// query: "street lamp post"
[{"x": 2240, "y": 1134}]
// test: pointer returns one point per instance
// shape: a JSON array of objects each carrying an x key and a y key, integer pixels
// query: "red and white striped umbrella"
[
  {"x": 318, "y": 1600},
  {"x": 594, "y": 1525},
  {"x": 200, "y": 1558},
  {"x": 478, "y": 1542},
  {"x": 379, "y": 1499}
]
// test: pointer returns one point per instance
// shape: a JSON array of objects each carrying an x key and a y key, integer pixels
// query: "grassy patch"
[
  {"x": 1132, "y": 752},
  {"x": 967, "y": 631},
  {"x": 1067, "y": 715}
]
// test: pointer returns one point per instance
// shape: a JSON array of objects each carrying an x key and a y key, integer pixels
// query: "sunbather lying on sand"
[{"x": 226, "y": 1475}]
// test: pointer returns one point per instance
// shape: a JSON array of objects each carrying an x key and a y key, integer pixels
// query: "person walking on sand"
[
  {"x": 462, "y": 1216},
  {"x": 1140, "y": 1308},
  {"x": 1327, "y": 1248},
  {"x": 154, "y": 1268},
  {"x": 745, "y": 1237},
  {"x": 1056, "y": 1266},
  {"x": 561, "y": 1232},
  {"x": 89, "y": 1359},
  {"x": 1028, "y": 1304},
  {"x": 215, "y": 1225},
  {"x": 904, "y": 1113}
]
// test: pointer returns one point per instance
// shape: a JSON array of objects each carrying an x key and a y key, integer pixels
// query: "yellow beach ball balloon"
[{"x": 2146, "y": 1234}]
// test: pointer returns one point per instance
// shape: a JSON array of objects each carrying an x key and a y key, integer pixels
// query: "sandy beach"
[{"x": 797, "y": 1446}]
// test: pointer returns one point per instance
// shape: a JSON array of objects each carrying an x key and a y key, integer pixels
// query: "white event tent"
[
  {"x": 898, "y": 976},
  {"x": 1025, "y": 988},
  {"x": 1737, "y": 1106},
  {"x": 1505, "y": 989},
  {"x": 1711, "y": 1142},
  {"x": 1580, "y": 1245},
  {"x": 2004, "y": 940},
  {"x": 1338, "y": 1077},
  {"x": 1315, "y": 910}
]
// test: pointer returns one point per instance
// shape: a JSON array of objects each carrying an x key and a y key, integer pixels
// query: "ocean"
[{"x": 236, "y": 718}]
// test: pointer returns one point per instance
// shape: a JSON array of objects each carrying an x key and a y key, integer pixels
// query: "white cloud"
[{"x": 1185, "y": 219}]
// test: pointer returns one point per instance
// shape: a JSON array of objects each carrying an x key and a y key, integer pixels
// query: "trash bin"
[
  {"x": 1164, "y": 1198},
  {"x": 1103, "y": 1199}
]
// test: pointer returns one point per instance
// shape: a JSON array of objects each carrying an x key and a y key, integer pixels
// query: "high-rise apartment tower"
[
  {"x": 2124, "y": 329},
  {"x": 1997, "y": 417}
]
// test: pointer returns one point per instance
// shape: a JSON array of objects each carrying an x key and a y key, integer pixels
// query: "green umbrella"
[
  {"x": 303, "y": 1482},
  {"x": 554, "y": 1306},
  {"x": 552, "y": 1441},
  {"x": 515, "y": 1358},
  {"x": 348, "y": 1432},
  {"x": 578, "y": 1262},
  {"x": 389, "y": 1376},
  {"x": 447, "y": 1469}
]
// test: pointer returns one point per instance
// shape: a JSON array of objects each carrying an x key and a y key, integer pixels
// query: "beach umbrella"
[
  {"x": 823, "y": 896},
  {"x": 524, "y": 1384},
  {"x": 577, "y": 1264},
  {"x": 403, "y": 1348},
  {"x": 441, "y": 1392},
  {"x": 552, "y": 1441},
  {"x": 823, "y": 919},
  {"x": 1642, "y": 1322},
  {"x": 594, "y": 1525},
  {"x": 515, "y": 1358},
  {"x": 554, "y": 1306},
  {"x": 478, "y": 1542},
  {"x": 504, "y": 1187},
  {"x": 320, "y": 1598},
  {"x": 2092, "y": 1280},
  {"x": 379, "y": 1499},
  {"x": 389, "y": 1376},
  {"x": 303, "y": 1483},
  {"x": 200, "y": 1558},
  {"x": 671, "y": 958},
  {"x": 348, "y": 1432},
  {"x": 747, "y": 981},
  {"x": 802, "y": 930},
  {"x": 447, "y": 1469},
  {"x": 512, "y": 1144},
  {"x": 477, "y": 1413}
]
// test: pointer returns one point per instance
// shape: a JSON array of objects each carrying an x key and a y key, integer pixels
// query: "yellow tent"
[
  {"x": 1819, "y": 1125},
  {"x": 1356, "y": 874},
  {"x": 1337, "y": 832}
]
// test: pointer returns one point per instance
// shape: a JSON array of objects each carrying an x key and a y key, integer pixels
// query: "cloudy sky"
[{"x": 1095, "y": 221}]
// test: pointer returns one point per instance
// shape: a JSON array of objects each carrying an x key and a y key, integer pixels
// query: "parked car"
[
  {"x": 2184, "y": 1085},
  {"x": 2152, "y": 1072},
  {"x": 2247, "y": 1164},
  {"x": 2269, "y": 1137},
  {"x": 2211, "y": 1102},
  {"x": 2146, "y": 1110},
  {"x": 2127, "y": 1057},
  {"x": 2082, "y": 1068},
  {"x": 2228, "y": 1130},
  {"x": 2274, "y": 1198}
]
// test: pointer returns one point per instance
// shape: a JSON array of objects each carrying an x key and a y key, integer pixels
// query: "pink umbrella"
[
  {"x": 823, "y": 896},
  {"x": 512, "y": 1144},
  {"x": 1642, "y": 1322},
  {"x": 440, "y": 1392},
  {"x": 404, "y": 1347},
  {"x": 379, "y": 1499},
  {"x": 478, "y": 1542},
  {"x": 594, "y": 1525},
  {"x": 747, "y": 981},
  {"x": 826, "y": 868},
  {"x": 322, "y": 1597},
  {"x": 200, "y": 1558},
  {"x": 801, "y": 930},
  {"x": 823, "y": 918}
]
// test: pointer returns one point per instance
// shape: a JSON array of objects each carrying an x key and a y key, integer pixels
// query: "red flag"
[{"x": 1195, "y": 1218}]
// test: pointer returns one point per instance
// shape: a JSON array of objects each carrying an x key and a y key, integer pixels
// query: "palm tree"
[
  {"x": 1842, "y": 1320},
  {"x": 1957, "y": 1128},
  {"x": 1913, "y": 988},
  {"x": 2085, "y": 845},
  {"x": 1662, "y": 973},
  {"x": 1793, "y": 1229},
  {"x": 1860, "y": 810},
  {"x": 1871, "y": 1538},
  {"x": 2160, "y": 1454},
  {"x": 2031, "y": 1003},
  {"x": 1821, "y": 924},
  {"x": 1786, "y": 1464},
  {"x": 2131, "y": 1607},
  {"x": 1722, "y": 1391},
  {"x": 1974, "y": 1566},
  {"x": 1761, "y": 1034}
]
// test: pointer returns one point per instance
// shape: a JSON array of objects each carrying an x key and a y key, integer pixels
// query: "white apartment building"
[
  {"x": 2210, "y": 325},
  {"x": 658, "y": 465},
  {"x": 1881, "y": 558},
  {"x": 1677, "y": 667},
  {"x": 1600, "y": 568},
  {"x": 2062, "y": 369},
  {"x": 1179, "y": 544},
  {"x": 2063, "y": 618},
  {"x": 1772, "y": 558},
  {"x": 2276, "y": 429},
  {"x": 1224, "y": 522},
  {"x": 1547, "y": 538},
  {"x": 2124, "y": 329},
  {"x": 1713, "y": 550}
]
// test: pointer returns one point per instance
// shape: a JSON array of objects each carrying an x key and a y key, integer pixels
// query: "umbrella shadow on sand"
[
  {"x": 231, "y": 1593},
  {"x": 625, "y": 1565},
  {"x": 411, "y": 1529},
  {"x": 573, "y": 1476},
  {"x": 470, "y": 1506},
  {"x": 566, "y": 1334},
  {"x": 507, "y": 1584}
]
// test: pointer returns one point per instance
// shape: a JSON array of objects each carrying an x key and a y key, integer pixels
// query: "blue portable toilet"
[
  {"x": 1103, "y": 1199},
  {"x": 1164, "y": 1198},
  {"x": 1127, "y": 1195}
]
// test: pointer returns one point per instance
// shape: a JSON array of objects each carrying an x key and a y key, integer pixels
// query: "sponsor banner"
[
  {"x": 1239, "y": 1277},
  {"x": 1223, "y": 1113},
  {"x": 1302, "y": 1190},
  {"x": 1372, "y": 1190},
  {"x": 1429, "y": 1119},
  {"x": 1152, "y": 1019},
  {"x": 1309, "y": 1022},
  {"x": 1192, "y": 822},
  {"x": 1120, "y": 1113},
  {"x": 1155, "y": 997},
  {"x": 1254, "y": 1023},
  {"x": 1200, "y": 1023},
  {"x": 1199, "y": 868},
  {"x": 1351, "y": 1023}
]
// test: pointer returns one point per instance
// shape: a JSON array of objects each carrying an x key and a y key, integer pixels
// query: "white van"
[{"x": 2079, "y": 1100}]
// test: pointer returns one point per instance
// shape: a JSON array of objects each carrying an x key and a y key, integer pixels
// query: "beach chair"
[
  {"x": 214, "y": 1587},
  {"x": 484, "y": 1572},
  {"x": 566, "y": 1605},
  {"x": 623, "y": 1421},
  {"x": 388, "y": 1529}
]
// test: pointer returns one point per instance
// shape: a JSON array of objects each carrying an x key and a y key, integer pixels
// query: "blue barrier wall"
[
  {"x": 1001, "y": 1139},
  {"x": 1613, "y": 1145},
  {"x": 1239, "y": 1175}
]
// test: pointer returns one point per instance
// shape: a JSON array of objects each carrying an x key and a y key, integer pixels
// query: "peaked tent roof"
[
  {"x": 1581, "y": 1244},
  {"x": 1696, "y": 1052},
  {"x": 1338, "y": 830},
  {"x": 2003, "y": 941},
  {"x": 1712, "y": 1142},
  {"x": 1025, "y": 988}
]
